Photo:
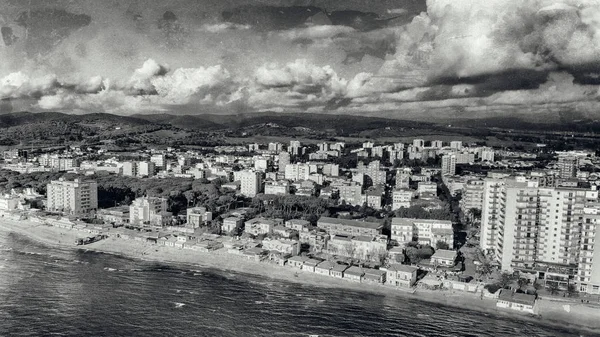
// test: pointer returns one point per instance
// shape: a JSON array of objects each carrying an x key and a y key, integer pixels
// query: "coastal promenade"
[{"x": 553, "y": 312}]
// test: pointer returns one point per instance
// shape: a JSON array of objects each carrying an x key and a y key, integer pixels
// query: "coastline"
[{"x": 551, "y": 313}]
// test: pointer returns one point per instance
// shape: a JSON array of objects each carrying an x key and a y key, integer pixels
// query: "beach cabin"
[
  {"x": 354, "y": 273},
  {"x": 324, "y": 268},
  {"x": 338, "y": 270},
  {"x": 296, "y": 261},
  {"x": 516, "y": 301},
  {"x": 310, "y": 264}
]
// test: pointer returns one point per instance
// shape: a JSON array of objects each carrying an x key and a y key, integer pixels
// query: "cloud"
[
  {"x": 18, "y": 84},
  {"x": 223, "y": 27}
]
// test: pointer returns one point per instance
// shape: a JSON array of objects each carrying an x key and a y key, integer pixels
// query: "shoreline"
[{"x": 551, "y": 313}]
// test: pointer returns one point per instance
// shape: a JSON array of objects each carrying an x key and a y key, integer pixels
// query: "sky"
[{"x": 386, "y": 57}]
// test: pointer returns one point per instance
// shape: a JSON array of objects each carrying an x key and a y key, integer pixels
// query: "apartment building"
[
  {"x": 72, "y": 197},
  {"x": 424, "y": 231},
  {"x": 250, "y": 183},
  {"x": 149, "y": 211}
]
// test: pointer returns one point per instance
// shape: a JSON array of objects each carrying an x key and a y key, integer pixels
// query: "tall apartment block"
[{"x": 72, "y": 197}]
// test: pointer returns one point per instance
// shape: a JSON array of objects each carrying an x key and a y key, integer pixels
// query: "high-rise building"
[
  {"x": 295, "y": 147},
  {"x": 437, "y": 144},
  {"x": 418, "y": 143},
  {"x": 145, "y": 169},
  {"x": 449, "y": 164},
  {"x": 275, "y": 147},
  {"x": 148, "y": 211},
  {"x": 159, "y": 161},
  {"x": 456, "y": 144},
  {"x": 373, "y": 172},
  {"x": 72, "y": 197},
  {"x": 567, "y": 166},
  {"x": 527, "y": 226},
  {"x": 250, "y": 183},
  {"x": 403, "y": 177},
  {"x": 284, "y": 159},
  {"x": 130, "y": 169},
  {"x": 472, "y": 196},
  {"x": 588, "y": 267}
]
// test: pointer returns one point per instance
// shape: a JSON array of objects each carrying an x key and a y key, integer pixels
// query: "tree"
[
  {"x": 521, "y": 282},
  {"x": 441, "y": 245},
  {"x": 506, "y": 279},
  {"x": 382, "y": 256},
  {"x": 553, "y": 288},
  {"x": 571, "y": 290},
  {"x": 485, "y": 269}
]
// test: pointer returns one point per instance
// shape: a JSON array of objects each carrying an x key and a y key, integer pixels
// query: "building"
[
  {"x": 365, "y": 248},
  {"x": 532, "y": 226},
  {"x": 259, "y": 226},
  {"x": 149, "y": 211},
  {"x": 130, "y": 169},
  {"x": 146, "y": 169},
  {"x": 284, "y": 160},
  {"x": 403, "y": 177},
  {"x": 275, "y": 147},
  {"x": 295, "y": 148},
  {"x": 418, "y": 143},
  {"x": 286, "y": 247},
  {"x": 375, "y": 175},
  {"x": 456, "y": 144},
  {"x": 250, "y": 183},
  {"x": 159, "y": 161},
  {"x": 444, "y": 257},
  {"x": 567, "y": 166},
  {"x": 350, "y": 193},
  {"x": 401, "y": 198},
  {"x": 232, "y": 224},
  {"x": 472, "y": 195},
  {"x": 9, "y": 202},
  {"x": 437, "y": 144},
  {"x": 589, "y": 255},
  {"x": 198, "y": 216},
  {"x": 296, "y": 172},
  {"x": 72, "y": 197},
  {"x": 335, "y": 226},
  {"x": 516, "y": 301},
  {"x": 425, "y": 231},
  {"x": 400, "y": 275},
  {"x": 373, "y": 197},
  {"x": 116, "y": 215},
  {"x": 449, "y": 164},
  {"x": 425, "y": 187},
  {"x": 281, "y": 187}
]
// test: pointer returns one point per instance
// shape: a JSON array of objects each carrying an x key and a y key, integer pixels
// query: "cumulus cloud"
[{"x": 19, "y": 84}]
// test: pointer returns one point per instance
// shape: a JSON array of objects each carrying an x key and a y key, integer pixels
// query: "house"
[
  {"x": 278, "y": 258},
  {"x": 284, "y": 246},
  {"x": 297, "y": 224},
  {"x": 516, "y": 301},
  {"x": 400, "y": 275},
  {"x": 375, "y": 276},
  {"x": 255, "y": 254},
  {"x": 444, "y": 257},
  {"x": 310, "y": 264},
  {"x": 297, "y": 261},
  {"x": 338, "y": 270},
  {"x": 231, "y": 224},
  {"x": 354, "y": 273},
  {"x": 316, "y": 239},
  {"x": 258, "y": 226},
  {"x": 283, "y": 231},
  {"x": 349, "y": 227},
  {"x": 324, "y": 267}
]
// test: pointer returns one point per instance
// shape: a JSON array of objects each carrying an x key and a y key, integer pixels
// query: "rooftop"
[
  {"x": 347, "y": 222},
  {"x": 409, "y": 221},
  {"x": 444, "y": 254},
  {"x": 402, "y": 268},
  {"x": 509, "y": 296}
]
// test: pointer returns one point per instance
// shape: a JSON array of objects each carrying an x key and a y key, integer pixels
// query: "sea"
[{"x": 48, "y": 291}]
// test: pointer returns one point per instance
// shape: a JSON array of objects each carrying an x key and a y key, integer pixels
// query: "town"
[{"x": 504, "y": 225}]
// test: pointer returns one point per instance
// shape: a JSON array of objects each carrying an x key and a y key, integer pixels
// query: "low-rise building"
[
  {"x": 116, "y": 215},
  {"x": 400, "y": 275},
  {"x": 516, "y": 301},
  {"x": 354, "y": 273},
  {"x": 258, "y": 226},
  {"x": 284, "y": 246},
  {"x": 425, "y": 231},
  {"x": 444, "y": 257},
  {"x": 336, "y": 226},
  {"x": 231, "y": 224},
  {"x": 198, "y": 216}
]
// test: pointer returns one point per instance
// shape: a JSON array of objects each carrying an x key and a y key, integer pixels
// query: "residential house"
[
  {"x": 258, "y": 226},
  {"x": 255, "y": 254},
  {"x": 444, "y": 257},
  {"x": 297, "y": 261},
  {"x": 310, "y": 264},
  {"x": 400, "y": 275},
  {"x": 231, "y": 224},
  {"x": 375, "y": 276},
  {"x": 284, "y": 246}
]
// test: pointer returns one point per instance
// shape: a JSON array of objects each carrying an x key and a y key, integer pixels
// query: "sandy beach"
[{"x": 579, "y": 316}]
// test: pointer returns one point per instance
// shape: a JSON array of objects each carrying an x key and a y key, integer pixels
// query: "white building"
[
  {"x": 72, "y": 197},
  {"x": 425, "y": 231},
  {"x": 449, "y": 164},
  {"x": 148, "y": 211},
  {"x": 250, "y": 183},
  {"x": 401, "y": 198},
  {"x": 198, "y": 216}
]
